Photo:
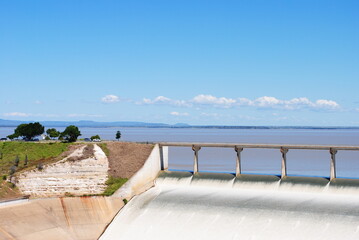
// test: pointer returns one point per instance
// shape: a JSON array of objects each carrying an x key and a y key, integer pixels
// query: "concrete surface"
[
  {"x": 144, "y": 179},
  {"x": 80, "y": 218}
]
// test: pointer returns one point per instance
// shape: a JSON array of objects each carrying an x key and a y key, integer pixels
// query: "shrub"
[
  {"x": 95, "y": 137},
  {"x": 16, "y": 161},
  {"x": 67, "y": 194},
  {"x": 40, "y": 166},
  {"x": 12, "y": 170}
]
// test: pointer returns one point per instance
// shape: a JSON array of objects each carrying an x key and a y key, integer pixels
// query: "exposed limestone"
[{"x": 77, "y": 177}]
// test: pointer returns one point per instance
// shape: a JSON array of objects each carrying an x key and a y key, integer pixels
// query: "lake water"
[{"x": 264, "y": 161}]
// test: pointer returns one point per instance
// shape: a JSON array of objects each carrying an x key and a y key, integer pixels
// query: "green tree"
[
  {"x": 71, "y": 133},
  {"x": 52, "y": 133},
  {"x": 95, "y": 137},
  {"x": 12, "y": 136},
  {"x": 28, "y": 131},
  {"x": 118, "y": 135}
]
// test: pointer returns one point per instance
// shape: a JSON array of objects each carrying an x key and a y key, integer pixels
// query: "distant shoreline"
[
  {"x": 210, "y": 127},
  {"x": 133, "y": 124}
]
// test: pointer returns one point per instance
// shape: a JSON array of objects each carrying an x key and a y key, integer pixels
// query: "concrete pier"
[{"x": 284, "y": 148}]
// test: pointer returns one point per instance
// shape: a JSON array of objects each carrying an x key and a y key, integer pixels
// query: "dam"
[{"x": 201, "y": 205}]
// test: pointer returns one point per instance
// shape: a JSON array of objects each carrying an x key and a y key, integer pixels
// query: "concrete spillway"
[
  {"x": 82, "y": 218},
  {"x": 219, "y": 206}
]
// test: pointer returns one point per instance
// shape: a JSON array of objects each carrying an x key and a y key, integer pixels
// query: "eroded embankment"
[{"x": 85, "y": 171}]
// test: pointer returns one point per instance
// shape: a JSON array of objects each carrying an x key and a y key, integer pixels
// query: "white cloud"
[
  {"x": 179, "y": 114},
  {"x": 329, "y": 104},
  {"x": 244, "y": 102},
  {"x": 272, "y": 102},
  {"x": 110, "y": 99},
  {"x": 38, "y": 102},
  {"x": 16, "y": 114},
  {"x": 266, "y": 101},
  {"x": 261, "y": 102},
  {"x": 215, "y": 101},
  {"x": 165, "y": 100},
  {"x": 159, "y": 99},
  {"x": 295, "y": 103}
]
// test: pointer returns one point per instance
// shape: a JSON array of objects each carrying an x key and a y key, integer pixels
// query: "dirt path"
[{"x": 126, "y": 158}]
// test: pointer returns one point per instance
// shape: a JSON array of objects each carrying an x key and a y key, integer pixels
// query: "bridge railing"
[{"x": 238, "y": 148}]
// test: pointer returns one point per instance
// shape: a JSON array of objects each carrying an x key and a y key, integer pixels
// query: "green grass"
[
  {"x": 104, "y": 148},
  {"x": 36, "y": 153},
  {"x": 113, "y": 184}
]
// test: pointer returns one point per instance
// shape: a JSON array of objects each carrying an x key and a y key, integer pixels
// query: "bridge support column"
[
  {"x": 195, "y": 163},
  {"x": 163, "y": 157},
  {"x": 333, "y": 169},
  {"x": 284, "y": 161},
  {"x": 238, "y": 162}
]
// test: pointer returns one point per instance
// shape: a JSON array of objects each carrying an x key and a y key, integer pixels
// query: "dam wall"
[
  {"x": 145, "y": 178},
  {"x": 222, "y": 206},
  {"x": 200, "y": 205}
]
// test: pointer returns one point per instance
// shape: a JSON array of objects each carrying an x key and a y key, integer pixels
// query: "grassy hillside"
[
  {"x": 49, "y": 152},
  {"x": 36, "y": 153}
]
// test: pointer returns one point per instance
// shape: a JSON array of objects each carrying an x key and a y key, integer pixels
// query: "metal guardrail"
[{"x": 238, "y": 147}]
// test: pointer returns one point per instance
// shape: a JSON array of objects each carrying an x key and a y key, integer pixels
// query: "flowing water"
[{"x": 222, "y": 207}]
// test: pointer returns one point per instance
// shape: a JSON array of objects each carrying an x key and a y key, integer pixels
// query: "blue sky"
[{"x": 197, "y": 62}]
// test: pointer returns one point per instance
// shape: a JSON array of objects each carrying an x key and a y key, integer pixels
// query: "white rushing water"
[{"x": 225, "y": 208}]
